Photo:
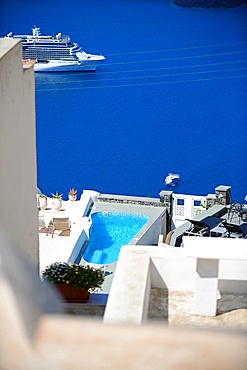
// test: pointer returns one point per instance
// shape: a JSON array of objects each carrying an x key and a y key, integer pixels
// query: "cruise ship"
[{"x": 55, "y": 53}]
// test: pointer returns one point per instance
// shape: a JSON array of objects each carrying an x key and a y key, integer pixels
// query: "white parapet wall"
[
  {"x": 88, "y": 198},
  {"x": 18, "y": 170},
  {"x": 209, "y": 269},
  {"x": 142, "y": 267}
]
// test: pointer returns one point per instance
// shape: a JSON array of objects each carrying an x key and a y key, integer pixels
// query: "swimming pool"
[{"x": 108, "y": 232}]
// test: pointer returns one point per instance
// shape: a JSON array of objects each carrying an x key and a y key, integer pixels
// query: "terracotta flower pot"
[
  {"x": 72, "y": 197},
  {"x": 73, "y": 294}
]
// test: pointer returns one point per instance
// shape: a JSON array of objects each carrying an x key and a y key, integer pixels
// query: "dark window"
[
  {"x": 197, "y": 203},
  {"x": 180, "y": 202}
]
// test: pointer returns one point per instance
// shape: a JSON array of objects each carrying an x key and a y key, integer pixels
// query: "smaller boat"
[{"x": 172, "y": 179}]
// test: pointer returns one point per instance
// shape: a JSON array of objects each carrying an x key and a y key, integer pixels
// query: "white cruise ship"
[{"x": 56, "y": 53}]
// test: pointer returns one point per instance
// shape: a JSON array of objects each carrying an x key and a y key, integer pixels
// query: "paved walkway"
[{"x": 176, "y": 309}]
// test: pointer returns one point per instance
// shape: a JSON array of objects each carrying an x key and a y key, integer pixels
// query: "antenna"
[{"x": 36, "y": 31}]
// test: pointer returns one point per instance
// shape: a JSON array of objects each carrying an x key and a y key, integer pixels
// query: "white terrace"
[{"x": 206, "y": 268}]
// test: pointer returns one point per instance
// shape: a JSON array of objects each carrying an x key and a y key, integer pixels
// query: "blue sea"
[{"x": 171, "y": 96}]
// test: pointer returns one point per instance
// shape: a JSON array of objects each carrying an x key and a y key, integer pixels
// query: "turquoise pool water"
[{"x": 109, "y": 231}]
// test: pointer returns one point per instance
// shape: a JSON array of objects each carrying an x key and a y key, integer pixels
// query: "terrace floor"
[{"x": 175, "y": 309}]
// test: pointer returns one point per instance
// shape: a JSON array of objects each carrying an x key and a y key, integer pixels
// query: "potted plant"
[
  {"x": 74, "y": 281},
  {"x": 72, "y": 194},
  {"x": 206, "y": 204},
  {"x": 42, "y": 201},
  {"x": 57, "y": 201}
]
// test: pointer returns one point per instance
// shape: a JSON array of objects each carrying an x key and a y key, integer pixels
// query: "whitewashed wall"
[
  {"x": 186, "y": 206},
  {"x": 19, "y": 215}
]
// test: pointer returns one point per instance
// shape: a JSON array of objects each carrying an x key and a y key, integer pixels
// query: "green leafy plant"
[
  {"x": 81, "y": 276},
  {"x": 206, "y": 204},
  {"x": 72, "y": 191},
  {"x": 42, "y": 196},
  {"x": 56, "y": 196}
]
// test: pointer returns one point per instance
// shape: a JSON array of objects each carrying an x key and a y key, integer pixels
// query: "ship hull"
[{"x": 66, "y": 67}]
